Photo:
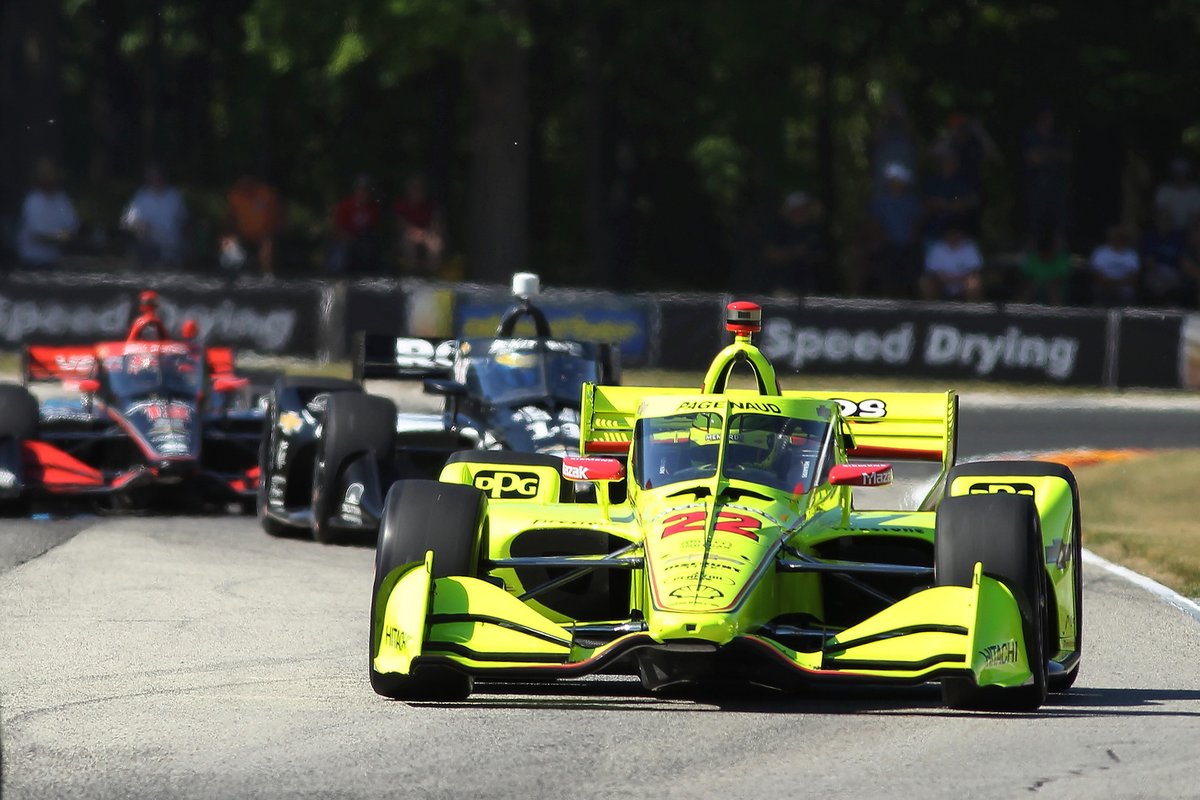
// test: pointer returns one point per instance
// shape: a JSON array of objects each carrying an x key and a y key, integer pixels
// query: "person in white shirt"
[
  {"x": 1179, "y": 197},
  {"x": 953, "y": 269},
  {"x": 1114, "y": 268},
  {"x": 156, "y": 216},
  {"x": 48, "y": 220}
]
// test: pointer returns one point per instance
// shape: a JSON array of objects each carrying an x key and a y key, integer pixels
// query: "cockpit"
[
  {"x": 772, "y": 450},
  {"x": 147, "y": 369}
]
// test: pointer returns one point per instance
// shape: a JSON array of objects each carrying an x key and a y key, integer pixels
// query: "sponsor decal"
[
  {"x": 704, "y": 591},
  {"x": 863, "y": 409},
  {"x": 748, "y": 405},
  {"x": 507, "y": 485},
  {"x": 8, "y": 479},
  {"x": 727, "y": 522},
  {"x": 281, "y": 453},
  {"x": 352, "y": 502},
  {"x": 276, "y": 490},
  {"x": 1002, "y": 654},
  {"x": 395, "y": 638},
  {"x": 290, "y": 422},
  {"x": 1001, "y": 488},
  {"x": 422, "y": 355}
]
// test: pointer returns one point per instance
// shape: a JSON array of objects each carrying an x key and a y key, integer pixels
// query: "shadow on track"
[{"x": 627, "y": 695}]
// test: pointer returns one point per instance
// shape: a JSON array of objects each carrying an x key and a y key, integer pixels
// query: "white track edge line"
[{"x": 1164, "y": 593}]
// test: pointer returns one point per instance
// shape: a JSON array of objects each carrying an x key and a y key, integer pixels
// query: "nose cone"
[{"x": 665, "y": 626}]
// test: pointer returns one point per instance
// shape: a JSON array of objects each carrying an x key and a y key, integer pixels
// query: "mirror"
[
  {"x": 861, "y": 475},
  {"x": 89, "y": 385}
]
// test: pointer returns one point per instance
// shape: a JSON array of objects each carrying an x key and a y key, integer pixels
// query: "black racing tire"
[
  {"x": 1003, "y": 532},
  {"x": 269, "y": 441},
  {"x": 354, "y": 424},
  {"x": 1062, "y": 681},
  {"x": 18, "y": 422},
  {"x": 18, "y": 412},
  {"x": 418, "y": 516},
  {"x": 566, "y": 488}
]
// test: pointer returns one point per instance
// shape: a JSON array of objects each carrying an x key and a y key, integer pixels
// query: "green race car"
[{"x": 726, "y": 541}]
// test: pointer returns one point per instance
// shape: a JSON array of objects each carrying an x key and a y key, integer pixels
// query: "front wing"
[{"x": 478, "y": 628}]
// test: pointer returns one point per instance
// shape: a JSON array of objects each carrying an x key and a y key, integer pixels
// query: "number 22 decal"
[{"x": 727, "y": 521}]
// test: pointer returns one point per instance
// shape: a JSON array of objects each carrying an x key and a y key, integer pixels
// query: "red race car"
[{"x": 148, "y": 418}]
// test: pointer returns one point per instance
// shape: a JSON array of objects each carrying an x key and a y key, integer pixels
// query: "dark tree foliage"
[{"x": 606, "y": 142}]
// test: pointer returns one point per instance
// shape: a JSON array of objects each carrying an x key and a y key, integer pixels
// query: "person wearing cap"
[
  {"x": 355, "y": 241},
  {"x": 48, "y": 219},
  {"x": 896, "y": 216},
  {"x": 793, "y": 252},
  {"x": 1180, "y": 196},
  {"x": 156, "y": 216}
]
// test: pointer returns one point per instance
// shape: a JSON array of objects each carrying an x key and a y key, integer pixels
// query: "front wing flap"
[{"x": 481, "y": 629}]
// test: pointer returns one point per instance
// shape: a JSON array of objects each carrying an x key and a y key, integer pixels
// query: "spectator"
[
  {"x": 1046, "y": 272},
  {"x": 1114, "y": 268},
  {"x": 1189, "y": 267},
  {"x": 896, "y": 218},
  {"x": 893, "y": 142},
  {"x": 420, "y": 228},
  {"x": 1161, "y": 250},
  {"x": 953, "y": 268},
  {"x": 1046, "y": 154},
  {"x": 793, "y": 253},
  {"x": 355, "y": 245},
  {"x": 156, "y": 216},
  {"x": 971, "y": 144},
  {"x": 48, "y": 220},
  {"x": 1179, "y": 197},
  {"x": 950, "y": 202},
  {"x": 255, "y": 216}
]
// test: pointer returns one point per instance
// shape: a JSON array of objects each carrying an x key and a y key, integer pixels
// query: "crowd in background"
[
  {"x": 923, "y": 227},
  {"x": 364, "y": 238},
  {"x": 921, "y": 238}
]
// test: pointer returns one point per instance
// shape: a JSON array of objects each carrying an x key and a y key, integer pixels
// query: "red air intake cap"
[{"x": 743, "y": 317}]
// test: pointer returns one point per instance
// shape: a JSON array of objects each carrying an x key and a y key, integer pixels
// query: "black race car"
[{"x": 332, "y": 451}]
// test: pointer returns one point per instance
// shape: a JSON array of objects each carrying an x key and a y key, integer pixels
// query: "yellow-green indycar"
[{"x": 726, "y": 541}]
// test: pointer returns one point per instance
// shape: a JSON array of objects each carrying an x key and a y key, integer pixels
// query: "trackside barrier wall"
[{"x": 826, "y": 336}]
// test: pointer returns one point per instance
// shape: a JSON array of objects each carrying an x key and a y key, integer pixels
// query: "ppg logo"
[
  {"x": 507, "y": 485},
  {"x": 1002, "y": 488}
]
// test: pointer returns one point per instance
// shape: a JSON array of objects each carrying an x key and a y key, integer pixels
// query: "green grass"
[{"x": 1141, "y": 512}]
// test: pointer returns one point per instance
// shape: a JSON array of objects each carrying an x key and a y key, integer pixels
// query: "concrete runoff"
[{"x": 152, "y": 657}]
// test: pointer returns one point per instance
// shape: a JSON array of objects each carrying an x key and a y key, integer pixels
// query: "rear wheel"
[
  {"x": 1003, "y": 532},
  {"x": 1061, "y": 681},
  {"x": 419, "y": 516},
  {"x": 355, "y": 424}
]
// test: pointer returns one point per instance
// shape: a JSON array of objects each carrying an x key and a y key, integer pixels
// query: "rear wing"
[
  {"x": 899, "y": 426},
  {"x": 379, "y": 355},
  {"x": 55, "y": 363}
]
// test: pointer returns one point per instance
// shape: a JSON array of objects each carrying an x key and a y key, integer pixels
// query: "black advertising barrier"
[
  {"x": 625, "y": 320},
  {"x": 691, "y": 331},
  {"x": 955, "y": 341},
  {"x": 265, "y": 317},
  {"x": 1150, "y": 348}
]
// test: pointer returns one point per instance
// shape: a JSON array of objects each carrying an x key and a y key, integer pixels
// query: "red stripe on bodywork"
[
  {"x": 46, "y": 464},
  {"x": 596, "y": 446},
  {"x": 894, "y": 453}
]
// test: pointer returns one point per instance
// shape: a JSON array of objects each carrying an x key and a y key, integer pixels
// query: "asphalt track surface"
[{"x": 197, "y": 657}]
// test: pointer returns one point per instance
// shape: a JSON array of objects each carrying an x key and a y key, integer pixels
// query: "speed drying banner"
[{"x": 975, "y": 343}]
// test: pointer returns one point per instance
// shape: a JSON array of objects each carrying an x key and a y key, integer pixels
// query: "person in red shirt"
[
  {"x": 355, "y": 240},
  {"x": 420, "y": 228}
]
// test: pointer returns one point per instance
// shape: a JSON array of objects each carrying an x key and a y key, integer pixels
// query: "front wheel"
[
  {"x": 419, "y": 516},
  {"x": 1003, "y": 532}
]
